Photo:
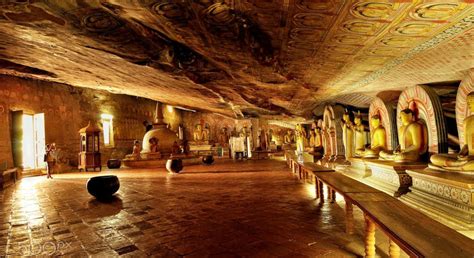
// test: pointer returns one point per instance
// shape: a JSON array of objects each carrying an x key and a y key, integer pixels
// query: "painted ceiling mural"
[{"x": 239, "y": 57}]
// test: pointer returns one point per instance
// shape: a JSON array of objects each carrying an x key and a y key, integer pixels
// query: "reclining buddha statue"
[
  {"x": 464, "y": 161},
  {"x": 413, "y": 137},
  {"x": 378, "y": 142}
]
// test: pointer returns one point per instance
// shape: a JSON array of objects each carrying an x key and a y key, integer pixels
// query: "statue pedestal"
[
  {"x": 390, "y": 176},
  {"x": 358, "y": 168},
  {"x": 445, "y": 195},
  {"x": 200, "y": 149}
]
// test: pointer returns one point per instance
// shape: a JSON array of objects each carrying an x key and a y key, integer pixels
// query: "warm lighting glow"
[
  {"x": 107, "y": 129},
  {"x": 106, "y": 116},
  {"x": 170, "y": 108},
  {"x": 33, "y": 142},
  {"x": 28, "y": 142}
]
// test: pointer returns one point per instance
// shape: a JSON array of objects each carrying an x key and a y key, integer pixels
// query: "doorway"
[{"x": 28, "y": 140}]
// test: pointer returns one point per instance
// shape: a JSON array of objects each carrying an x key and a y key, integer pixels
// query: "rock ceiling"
[{"x": 238, "y": 57}]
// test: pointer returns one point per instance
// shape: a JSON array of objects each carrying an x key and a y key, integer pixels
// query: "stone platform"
[
  {"x": 391, "y": 177},
  {"x": 158, "y": 163},
  {"x": 443, "y": 194},
  {"x": 358, "y": 168}
]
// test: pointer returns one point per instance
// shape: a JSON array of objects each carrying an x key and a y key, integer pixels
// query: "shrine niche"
[
  {"x": 462, "y": 109},
  {"x": 427, "y": 107},
  {"x": 387, "y": 119},
  {"x": 444, "y": 190}
]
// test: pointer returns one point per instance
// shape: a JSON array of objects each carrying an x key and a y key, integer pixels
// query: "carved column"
[
  {"x": 349, "y": 217},
  {"x": 394, "y": 250},
  {"x": 369, "y": 238}
]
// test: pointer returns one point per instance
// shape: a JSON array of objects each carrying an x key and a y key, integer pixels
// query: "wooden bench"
[
  {"x": 307, "y": 170},
  {"x": 12, "y": 173},
  {"x": 407, "y": 228}
]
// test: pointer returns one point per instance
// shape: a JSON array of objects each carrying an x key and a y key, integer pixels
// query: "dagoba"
[
  {"x": 464, "y": 160},
  {"x": 413, "y": 140},
  {"x": 157, "y": 145},
  {"x": 165, "y": 136}
]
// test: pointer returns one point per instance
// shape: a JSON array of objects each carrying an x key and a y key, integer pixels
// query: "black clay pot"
[
  {"x": 114, "y": 163},
  {"x": 103, "y": 187},
  {"x": 208, "y": 159},
  {"x": 174, "y": 165}
]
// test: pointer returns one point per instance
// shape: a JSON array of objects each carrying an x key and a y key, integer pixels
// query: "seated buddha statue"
[
  {"x": 464, "y": 160},
  {"x": 347, "y": 135},
  {"x": 359, "y": 135},
  {"x": 197, "y": 134},
  {"x": 205, "y": 133},
  {"x": 413, "y": 140},
  {"x": 288, "y": 139},
  {"x": 378, "y": 141}
]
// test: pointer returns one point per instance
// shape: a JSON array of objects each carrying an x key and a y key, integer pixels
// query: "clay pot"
[
  {"x": 114, "y": 163},
  {"x": 103, "y": 187},
  {"x": 174, "y": 165},
  {"x": 208, "y": 159}
]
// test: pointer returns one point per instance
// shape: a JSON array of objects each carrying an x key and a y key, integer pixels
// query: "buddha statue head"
[
  {"x": 346, "y": 117},
  {"x": 406, "y": 116},
  {"x": 375, "y": 121},
  {"x": 358, "y": 119}
]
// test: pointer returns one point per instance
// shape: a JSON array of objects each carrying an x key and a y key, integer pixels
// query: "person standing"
[{"x": 50, "y": 158}]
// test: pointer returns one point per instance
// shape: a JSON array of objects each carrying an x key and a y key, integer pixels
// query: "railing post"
[
  {"x": 369, "y": 238},
  {"x": 321, "y": 191},
  {"x": 349, "y": 217},
  {"x": 316, "y": 187},
  {"x": 394, "y": 250}
]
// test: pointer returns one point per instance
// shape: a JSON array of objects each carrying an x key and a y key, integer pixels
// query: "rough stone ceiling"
[{"x": 238, "y": 57}]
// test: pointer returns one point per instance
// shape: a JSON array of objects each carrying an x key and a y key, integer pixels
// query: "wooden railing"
[{"x": 408, "y": 229}]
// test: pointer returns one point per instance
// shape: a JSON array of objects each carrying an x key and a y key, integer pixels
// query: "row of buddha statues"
[
  {"x": 413, "y": 141},
  {"x": 413, "y": 135}
]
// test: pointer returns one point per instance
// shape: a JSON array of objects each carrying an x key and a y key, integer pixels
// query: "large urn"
[{"x": 103, "y": 187}]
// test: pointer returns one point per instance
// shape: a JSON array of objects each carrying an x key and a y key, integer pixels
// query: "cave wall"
[
  {"x": 67, "y": 109},
  {"x": 215, "y": 121}
]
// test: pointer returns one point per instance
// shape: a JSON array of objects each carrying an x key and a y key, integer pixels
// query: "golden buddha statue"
[
  {"x": 205, "y": 133},
  {"x": 316, "y": 141},
  {"x": 299, "y": 138},
  {"x": 464, "y": 160},
  {"x": 288, "y": 137},
  {"x": 413, "y": 137},
  {"x": 197, "y": 134},
  {"x": 347, "y": 135},
  {"x": 312, "y": 139},
  {"x": 359, "y": 135},
  {"x": 378, "y": 140}
]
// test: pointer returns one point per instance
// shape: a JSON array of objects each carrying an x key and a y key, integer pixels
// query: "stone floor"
[{"x": 229, "y": 209}]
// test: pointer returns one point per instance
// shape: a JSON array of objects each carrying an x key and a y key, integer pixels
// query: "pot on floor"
[
  {"x": 103, "y": 187},
  {"x": 208, "y": 159},
  {"x": 174, "y": 165}
]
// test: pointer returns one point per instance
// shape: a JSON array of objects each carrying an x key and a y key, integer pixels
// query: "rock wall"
[{"x": 67, "y": 109}]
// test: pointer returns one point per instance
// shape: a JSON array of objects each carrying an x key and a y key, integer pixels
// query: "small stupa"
[
  {"x": 165, "y": 136},
  {"x": 157, "y": 145}
]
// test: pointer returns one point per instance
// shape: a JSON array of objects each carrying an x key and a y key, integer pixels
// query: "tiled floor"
[{"x": 229, "y": 209}]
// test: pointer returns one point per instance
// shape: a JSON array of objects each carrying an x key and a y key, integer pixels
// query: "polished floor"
[{"x": 229, "y": 209}]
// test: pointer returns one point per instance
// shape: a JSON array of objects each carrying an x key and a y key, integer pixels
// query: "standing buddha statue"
[
  {"x": 359, "y": 135},
  {"x": 347, "y": 135}
]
